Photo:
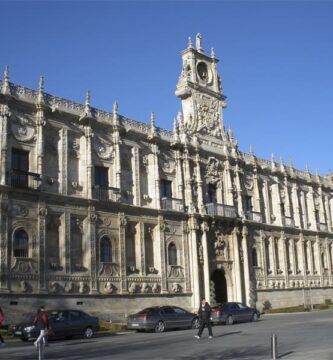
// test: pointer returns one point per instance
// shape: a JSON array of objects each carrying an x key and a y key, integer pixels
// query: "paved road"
[{"x": 301, "y": 337}]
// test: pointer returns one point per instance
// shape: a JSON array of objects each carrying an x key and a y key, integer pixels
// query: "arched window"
[
  {"x": 21, "y": 244},
  {"x": 105, "y": 250},
  {"x": 254, "y": 257},
  {"x": 172, "y": 254}
]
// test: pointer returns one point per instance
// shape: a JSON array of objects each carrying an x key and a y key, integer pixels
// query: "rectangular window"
[
  {"x": 20, "y": 168},
  {"x": 211, "y": 193},
  {"x": 247, "y": 203},
  {"x": 102, "y": 176},
  {"x": 166, "y": 189}
]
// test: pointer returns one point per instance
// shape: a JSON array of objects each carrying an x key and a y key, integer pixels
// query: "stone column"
[
  {"x": 179, "y": 175},
  {"x": 122, "y": 256},
  {"x": 143, "y": 267},
  {"x": 63, "y": 161},
  {"x": 88, "y": 134},
  {"x": 328, "y": 213},
  {"x": 329, "y": 263},
  {"x": 285, "y": 249},
  {"x": 304, "y": 258},
  {"x": 287, "y": 197},
  {"x": 267, "y": 202},
  {"x": 257, "y": 201},
  {"x": 188, "y": 183},
  {"x": 205, "y": 229},
  {"x": 322, "y": 216},
  {"x": 42, "y": 212},
  {"x": 4, "y": 261},
  {"x": 296, "y": 205},
  {"x": 155, "y": 173},
  {"x": 263, "y": 254},
  {"x": 276, "y": 202},
  {"x": 246, "y": 264},
  {"x": 304, "y": 211},
  {"x": 240, "y": 208},
  {"x": 237, "y": 270},
  {"x": 66, "y": 236},
  {"x": 194, "y": 261},
  {"x": 161, "y": 236},
  {"x": 310, "y": 249},
  {"x": 274, "y": 264},
  {"x": 4, "y": 118},
  {"x": 200, "y": 200},
  {"x": 136, "y": 177},
  {"x": 229, "y": 185},
  {"x": 117, "y": 160},
  {"x": 40, "y": 123},
  {"x": 92, "y": 217},
  {"x": 292, "y": 255},
  {"x": 311, "y": 208}
]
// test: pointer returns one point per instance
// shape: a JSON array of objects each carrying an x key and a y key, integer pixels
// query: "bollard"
[
  {"x": 274, "y": 347},
  {"x": 40, "y": 350}
]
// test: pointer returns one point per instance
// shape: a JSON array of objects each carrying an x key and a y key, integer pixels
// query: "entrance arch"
[{"x": 220, "y": 286}]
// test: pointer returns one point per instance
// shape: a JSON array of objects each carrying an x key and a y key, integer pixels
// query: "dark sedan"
[
  {"x": 230, "y": 312},
  {"x": 161, "y": 318},
  {"x": 64, "y": 324}
]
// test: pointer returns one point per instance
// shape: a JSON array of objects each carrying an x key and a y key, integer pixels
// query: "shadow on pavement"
[
  {"x": 285, "y": 354},
  {"x": 229, "y": 333}
]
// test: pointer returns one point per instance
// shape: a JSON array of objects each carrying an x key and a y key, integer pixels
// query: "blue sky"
[{"x": 276, "y": 62}]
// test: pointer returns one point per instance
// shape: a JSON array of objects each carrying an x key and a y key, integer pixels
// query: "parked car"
[
  {"x": 230, "y": 312},
  {"x": 161, "y": 318},
  {"x": 64, "y": 323}
]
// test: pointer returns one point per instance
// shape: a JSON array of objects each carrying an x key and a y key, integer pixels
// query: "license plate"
[
  {"x": 18, "y": 332},
  {"x": 135, "y": 324}
]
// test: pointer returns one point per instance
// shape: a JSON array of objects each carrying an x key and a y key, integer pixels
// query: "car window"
[
  {"x": 242, "y": 306},
  {"x": 167, "y": 311},
  {"x": 179, "y": 311},
  {"x": 234, "y": 307},
  {"x": 75, "y": 315},
  {"x": 147, "y": 311}
]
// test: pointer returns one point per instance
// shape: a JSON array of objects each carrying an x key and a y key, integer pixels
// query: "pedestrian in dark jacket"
[
  {"x": 2, "y": 318},
  {"x": 41, "y": 320},
  {"x": 204, "y": 316}
]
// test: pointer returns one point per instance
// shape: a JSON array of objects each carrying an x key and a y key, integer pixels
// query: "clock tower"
[{"x": 200, "y": 90}]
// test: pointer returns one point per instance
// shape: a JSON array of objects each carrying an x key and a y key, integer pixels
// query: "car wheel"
[
  {"x": 88, "y": 333},
  {"x": 159, "y": 327},
  {"x": 230, "y": 320},
  {"x": 195, "y": 323},
  {"x": 255, "y": 317}
]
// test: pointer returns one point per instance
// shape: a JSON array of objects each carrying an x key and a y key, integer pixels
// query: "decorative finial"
[
  {"x": 190, "y": 45},
  {"x": 317, "y": 174},
  {"x": 251, "y": 149},
  {"x": 272, "y": 157},
  {"x": 40, "y": 97},
  {"x": 174, "y": 125},
  {"x": 212, "y": 53},
  {"x": 115, "y": 107},
  {"x": 198, "y": 40},
  {"x": 152, "y": 133},
  {"x": 307, "y": 168},
  {"x": 87, "y": 103},
  {"x": 152, "y": 119},
  {"x": 175, "y": 131},
  {"x": 230, "y": 134},
  {"x": 281, "y": 160},
  {"x": 180, "y": 119},
  {"x": 291, "y": 165},
  {"x": 5, "y": 85}
]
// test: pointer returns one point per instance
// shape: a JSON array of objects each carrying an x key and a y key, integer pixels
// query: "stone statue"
[{"x": 198, "y": 39}]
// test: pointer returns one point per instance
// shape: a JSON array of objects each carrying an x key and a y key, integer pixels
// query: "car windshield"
[{"x": 52, "y": 314}]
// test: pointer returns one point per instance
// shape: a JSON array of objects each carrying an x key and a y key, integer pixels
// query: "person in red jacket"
[
  {"x": 2, "y": 318},
  {"x": 41, "y": 320}
]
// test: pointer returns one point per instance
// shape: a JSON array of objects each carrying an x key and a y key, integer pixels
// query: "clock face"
[{"x": 202, "y": 71}]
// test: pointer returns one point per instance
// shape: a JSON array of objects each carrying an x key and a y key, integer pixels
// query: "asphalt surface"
[{"x": 306, "y": 336}]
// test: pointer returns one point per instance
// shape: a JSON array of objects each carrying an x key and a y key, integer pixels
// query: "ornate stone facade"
[{"x": 121, "y": 214}]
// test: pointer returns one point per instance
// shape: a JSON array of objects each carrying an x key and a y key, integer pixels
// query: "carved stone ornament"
[
  {"x": 109, "y": 288},
  {"x": 221, "y": 246},
  {"x": 24, "y": 266},
  {"x": 176, "y": 288},
  {"x": 103, "y": 149},
  {"x": 25, "y": 286},
  {"x": 156, "y": 288},
  {"x": 175, "y": 271},
  {"x": 108, "y": 269},
  {"x": 22, "y": 131},
  {"x": 21, "y": 210},
  {"x": 69, "y": 287},
  {"x": 55, "y": 287},
  {"x": 207, "y": 120},
  {"x": 83, "y": 287},
  {"x": 213, "y": 170},
  {"x": 133, "y": 288},
  {"x": 145, "y": 288},
  {"x": 248, "y": 182}
]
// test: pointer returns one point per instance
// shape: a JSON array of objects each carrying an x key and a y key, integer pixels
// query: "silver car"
[
  {"x": 230, "y": 312},
  {"x": 161, "y": 318}
]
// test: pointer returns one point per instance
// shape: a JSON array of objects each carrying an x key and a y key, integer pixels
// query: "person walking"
[
  {"x": 41, "y": 320},
  {"x": 2, "y": 318},
  {"x": 204, "y": 316}
]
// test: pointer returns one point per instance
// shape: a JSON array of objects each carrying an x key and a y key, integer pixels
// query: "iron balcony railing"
[
  {"x": 24, "y": 179},
  {"x": 172, "y": 204},
  {"x": 214, "y": 209},
  {"x": 105, "y": 193}
]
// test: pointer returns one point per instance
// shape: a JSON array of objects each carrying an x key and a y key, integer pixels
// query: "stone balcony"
[
  {"x": 214, "y": 209},
  {"x": 105, "y": 193},
  {"x": 172, "y": 204},
  {"x": 254, "y": 216},
  {"x": 24, "y": 179}
]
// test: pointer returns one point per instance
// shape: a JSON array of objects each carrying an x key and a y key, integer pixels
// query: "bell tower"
[{"x": 200, "y": 90}]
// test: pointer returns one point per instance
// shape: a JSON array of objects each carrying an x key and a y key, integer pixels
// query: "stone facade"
[{"x": 111, "y": 214}]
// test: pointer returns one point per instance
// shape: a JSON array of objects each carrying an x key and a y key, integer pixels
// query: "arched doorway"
[{"x": 219, "y": 286}]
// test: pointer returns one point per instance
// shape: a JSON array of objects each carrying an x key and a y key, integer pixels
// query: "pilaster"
[
  {"x": 42, "y": 212},
  {"x": 136, "y": 176},
  {"x": 122, "y": 256},
  {"x": 161, "y": 236},
  {"x": 194, "y": 261},
  {"x": 63, "y": 161},
  {"x": 4, "y": 265},
  {"x": 4, "y": 118},
  {"x": 88, "y": 134},
  {"x": 92, "y": 217},
  {"x": 237, "y": 273},
  {"x": 205, "y": 229},
  {"x": 245, "y": 248}
]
